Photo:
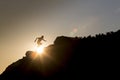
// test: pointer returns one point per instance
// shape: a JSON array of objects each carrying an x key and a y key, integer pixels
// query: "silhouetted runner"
[{"x": 39, "y": 39}]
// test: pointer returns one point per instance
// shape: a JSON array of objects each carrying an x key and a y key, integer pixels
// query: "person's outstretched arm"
[
  {"x": 44, "y": 40},
  {"x": 35, "y": 39}
]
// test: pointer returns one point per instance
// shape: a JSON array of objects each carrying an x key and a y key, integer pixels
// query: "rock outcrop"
[{"x": 92, "y": 57}]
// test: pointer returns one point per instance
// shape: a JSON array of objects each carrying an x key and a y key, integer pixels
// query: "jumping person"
[{"x": 39, "y": 39}]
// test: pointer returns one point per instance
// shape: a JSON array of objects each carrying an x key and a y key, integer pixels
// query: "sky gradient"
[{"x": 21, "y": 21}]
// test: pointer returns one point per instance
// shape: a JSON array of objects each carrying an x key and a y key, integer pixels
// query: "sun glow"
[{"x": 39, "y": 49}]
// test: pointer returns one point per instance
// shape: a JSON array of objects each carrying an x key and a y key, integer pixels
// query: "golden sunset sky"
[{"x": 21, "y": 21}]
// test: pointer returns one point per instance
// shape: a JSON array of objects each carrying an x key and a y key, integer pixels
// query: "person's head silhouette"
[{"x": 42, "y": 36}]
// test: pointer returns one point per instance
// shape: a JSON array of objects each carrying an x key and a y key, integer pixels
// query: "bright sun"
[{"x": 39, "y": 49}]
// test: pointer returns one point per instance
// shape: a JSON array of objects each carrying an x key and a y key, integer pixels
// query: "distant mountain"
[{"x": 92, "y": 57}]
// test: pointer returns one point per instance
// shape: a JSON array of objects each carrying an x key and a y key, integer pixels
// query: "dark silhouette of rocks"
[{"x": 92, "y": 57}]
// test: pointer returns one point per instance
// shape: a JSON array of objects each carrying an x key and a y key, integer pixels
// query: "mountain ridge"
[{"x": 92, "y": 57}]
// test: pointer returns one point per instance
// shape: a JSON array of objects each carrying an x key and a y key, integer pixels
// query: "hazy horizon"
[{"x": 22, "y": 21}]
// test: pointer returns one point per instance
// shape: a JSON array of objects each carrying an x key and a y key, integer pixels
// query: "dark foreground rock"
[{"x": 92, "y": 57}]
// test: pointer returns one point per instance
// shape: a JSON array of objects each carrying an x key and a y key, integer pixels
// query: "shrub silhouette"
[{"x": 92, "y": 57}]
